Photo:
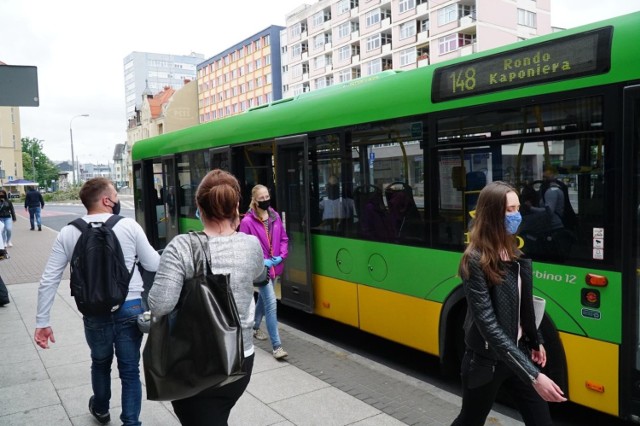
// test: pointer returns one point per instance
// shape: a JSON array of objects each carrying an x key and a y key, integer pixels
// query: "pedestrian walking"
[
  {"x": 116, "y": 332},
  {"x": 7, "y": 216},
  {"x": 264, "y": 222},
  {"x": 34, "y": 202},
  {"x": 233, "y": 253},
  {"x": 503, "y": 345}
]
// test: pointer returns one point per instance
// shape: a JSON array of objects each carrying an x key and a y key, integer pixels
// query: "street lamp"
[{"x": 73, "y": 166}]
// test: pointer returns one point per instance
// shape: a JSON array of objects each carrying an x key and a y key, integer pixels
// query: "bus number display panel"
[{"x": 569, "y": 57}]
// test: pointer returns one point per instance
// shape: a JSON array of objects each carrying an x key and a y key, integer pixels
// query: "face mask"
[
  {"x": 264, "y": 205},
  {"x": 512, "y": 222},
  {"x": 115, "y": 209},
  {"x": 198, "y": 216}
]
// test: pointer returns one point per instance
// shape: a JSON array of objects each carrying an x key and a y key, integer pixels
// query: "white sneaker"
[
  {"x": 279, "y": 353},
  {"x": 9, "y": 244},
  {"x": 259, "y": 335}
]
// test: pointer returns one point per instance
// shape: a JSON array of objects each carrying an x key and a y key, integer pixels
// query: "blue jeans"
[
  {"x": 8, "y": 226},
  {"x": 120, "y": 331},
  {"x": 34, "y": 212},
  {"x": 266, "y": 307}
]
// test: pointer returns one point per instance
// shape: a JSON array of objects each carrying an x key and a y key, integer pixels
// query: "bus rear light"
[
  {"x": 590, "y": 298},
  {"x": 597, "y": 387},
  {"x": 596, "y": 280}
]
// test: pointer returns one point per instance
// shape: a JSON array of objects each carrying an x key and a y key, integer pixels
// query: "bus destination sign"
[{"x": 569, "y": 57}]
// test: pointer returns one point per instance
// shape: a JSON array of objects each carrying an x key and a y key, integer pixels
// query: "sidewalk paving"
[{"x": 318, "y": 384}]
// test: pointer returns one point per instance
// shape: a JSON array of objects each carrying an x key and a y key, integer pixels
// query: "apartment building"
[
  {"x": 146, "y": 73},
  {"x": 333, "y": 41},
  {"x": 10, "y": 145},
  {"x": 243, "y": 76}
]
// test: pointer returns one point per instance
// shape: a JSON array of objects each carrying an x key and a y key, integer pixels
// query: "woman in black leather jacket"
[{"x": 503, "y": 345}]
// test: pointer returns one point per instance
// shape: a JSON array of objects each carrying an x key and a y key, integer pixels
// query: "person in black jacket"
[
  {"x": 7, "y": 217},
  {"x": 34, "y": 203},
  {"x": 503, "y": 345}
]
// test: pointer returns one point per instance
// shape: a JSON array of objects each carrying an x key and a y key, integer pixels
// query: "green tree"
[{"x": 35, "y": 163}]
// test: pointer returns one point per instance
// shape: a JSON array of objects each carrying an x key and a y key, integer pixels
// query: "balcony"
[
  {"x": 468, "y": 49},
  {"x": 423, "y": 37},
  {"x": 422, "y": 60},
  {"x": 466, "y": 21}
]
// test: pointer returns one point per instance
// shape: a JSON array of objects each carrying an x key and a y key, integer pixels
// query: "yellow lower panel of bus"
[
  {"x": 593, "y": 372},
  {"x": 407, "y": 320},
  {"x": 336, "y": 299}
]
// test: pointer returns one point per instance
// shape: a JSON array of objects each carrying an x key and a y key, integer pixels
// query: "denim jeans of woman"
[
  {"x": 8, "y": 226},
  {"x": 267, "y": 308},
  {"x": 116, "y": 333}
]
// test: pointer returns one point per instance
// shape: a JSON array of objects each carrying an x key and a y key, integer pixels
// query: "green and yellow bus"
[{"x": 376, "y": 181}]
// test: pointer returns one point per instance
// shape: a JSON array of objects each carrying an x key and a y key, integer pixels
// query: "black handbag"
[{"x": 199, "y": 344}]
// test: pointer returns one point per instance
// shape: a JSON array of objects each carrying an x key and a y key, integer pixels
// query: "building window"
[
  {"x": 343, "y": 7},
  {"x": 267, "y": 40},
  {"x": 374, "y": 66},
  {"x": 318, "y": 41},
  {"x": 406, "y": 5},
  {"x": 407, "y": 56},
  {"x": 267, "y": 60},
  {"x": 298, "y": 29},
  {"x": 526, "y": 18},
  {"x": 344, "y": 75},
  {"x": 318, "y": 19},
  {"x": 373, "y": 42},
  {"x": 258, "y": 44},
  {"x": 447, "y": 14},
  {"x": 296, "y": 70},
  {"x": 320, "y": 62},
  {"x": 373, "y": 17},
  {"x": 452, "y": 42},
  {"x": 344, "y": 30},
  {"x": 344, "y": 53},
  {"x": 408, "y": 29}
]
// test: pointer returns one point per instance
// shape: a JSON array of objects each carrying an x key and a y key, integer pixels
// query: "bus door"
[
  {"x": 162, "y": 202},
  {"x": 168, "y": 195},
  {"x": 292, "y": 184},
  {"x": 630, "y": 357}
]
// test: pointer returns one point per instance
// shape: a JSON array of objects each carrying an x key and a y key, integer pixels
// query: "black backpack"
[{"x": 99, "y": 276}]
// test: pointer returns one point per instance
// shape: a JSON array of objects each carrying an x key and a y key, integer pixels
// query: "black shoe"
[
  {"x": 32, "y": 228},
  {"x": 39, "y": 228},
  {"x": 101, "y": 418}
]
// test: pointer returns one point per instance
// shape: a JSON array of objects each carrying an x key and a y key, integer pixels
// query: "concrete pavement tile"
[
  {"x": 9, "y": 313},
  {"x": 27, "y": 396},
  {"x": 251, "y": 411},
  {"x": 70, "y": 354},
  {"x": 10, "y": 325},
  {"x": 379, "y": 420},
  {"x": 18, "y": 354},
  {"x": 70, "y": 375},
  {"x": 23, "y": 372},
  {"x": 281, "y": 383},
  {"x": 328, "y": 406},
  {"x": 156, "y": 414},
  {"x": 20, "y": 336},
  {"x": 54, "y": 415},
  {"x": 265, "y": 361}
]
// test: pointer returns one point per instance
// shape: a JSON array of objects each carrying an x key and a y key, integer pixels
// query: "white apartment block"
[{"x": 333, "y": 41}]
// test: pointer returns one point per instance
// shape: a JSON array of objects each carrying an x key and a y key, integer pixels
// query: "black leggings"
[
  {"x": 477, "y": 402},
  {"x": 212, "y": 407}
]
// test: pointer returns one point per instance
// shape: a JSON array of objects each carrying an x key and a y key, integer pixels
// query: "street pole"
[{"x": 73, "y": 167}]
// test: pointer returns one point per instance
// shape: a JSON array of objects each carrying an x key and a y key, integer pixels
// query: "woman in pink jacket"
[{"x": 264, "y": 222}]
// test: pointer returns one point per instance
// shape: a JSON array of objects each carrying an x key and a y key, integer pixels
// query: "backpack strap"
[
  {"x": 111, "y": 222},
  {"x": 80, "y": 224}
]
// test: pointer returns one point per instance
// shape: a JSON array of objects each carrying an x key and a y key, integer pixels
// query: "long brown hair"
[{"x": 488, "y": 236}]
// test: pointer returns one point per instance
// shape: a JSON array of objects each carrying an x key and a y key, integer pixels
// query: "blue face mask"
[
  {"x": 198, "y": 215},
  {"x": 512, "y": 222}
]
